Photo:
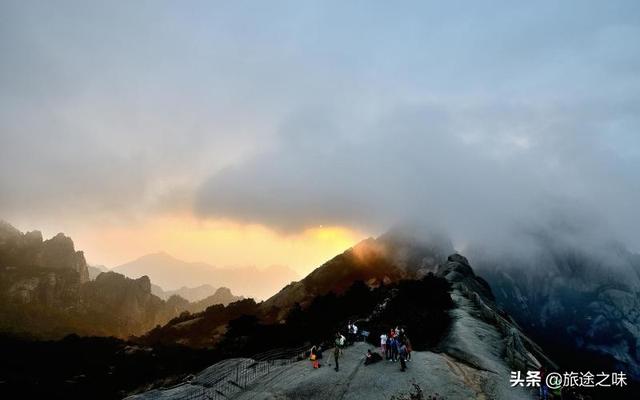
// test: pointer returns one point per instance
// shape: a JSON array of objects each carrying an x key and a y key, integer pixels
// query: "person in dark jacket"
[
  {"x": 372, "y": 357},
  {"x": 403, "y": 356},
  {"x": 394, "y": 349}
]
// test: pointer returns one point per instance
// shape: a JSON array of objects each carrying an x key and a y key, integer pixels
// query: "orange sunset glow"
[{"x": 217, "y": 242}]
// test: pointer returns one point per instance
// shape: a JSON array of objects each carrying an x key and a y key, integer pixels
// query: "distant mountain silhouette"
[
  {"x": 397, "y": 255},
  {"x": 45, "y": 292},
  {"x": 188, "y": 293},
  {"x": 199, "y": 297},
  {"x": 171, "y": 273},
  {"x": 95, "y": 270}
]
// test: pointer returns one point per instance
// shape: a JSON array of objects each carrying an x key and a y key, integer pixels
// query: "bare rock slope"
[{"x": 473, "y": 361}]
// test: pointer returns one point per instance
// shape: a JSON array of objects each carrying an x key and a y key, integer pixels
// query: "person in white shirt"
[{"x": 383, "y": 343}]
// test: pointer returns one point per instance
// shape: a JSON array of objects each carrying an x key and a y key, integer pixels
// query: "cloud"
[
  {"x": 475, "y": 169},
  {"x": 355, "y": 114}
]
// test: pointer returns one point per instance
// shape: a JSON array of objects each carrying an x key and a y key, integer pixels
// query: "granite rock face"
[
  {"x": 45, "y": 291},
  {"x": 30, "y": 250},
  {"x": 130, "y": 299},
  {"x": 473, "y": 360},
  {"x": 41, "y": 272},
  {"x": 579, "y": 300},
  {"x": 59, "y": 252}
]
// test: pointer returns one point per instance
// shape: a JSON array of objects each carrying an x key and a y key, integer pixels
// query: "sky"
[{"x": 281, "y": 133}]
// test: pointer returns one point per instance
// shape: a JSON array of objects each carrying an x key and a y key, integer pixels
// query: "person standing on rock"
[
  {"x": 394, "y": 349},
  {"x": 407, "y": 342},
  {"x": 383, "y": 343},
  {"x": 403, "y": 357},
  {"x": 336, "y": 355},
  {"x": 313, "y": 356}
]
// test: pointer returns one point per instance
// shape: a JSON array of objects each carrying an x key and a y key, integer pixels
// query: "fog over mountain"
[
  {"x": 474, "y": 149},
  {"x": 477, "y": 170},
  {"x": 474, "y": 117}
]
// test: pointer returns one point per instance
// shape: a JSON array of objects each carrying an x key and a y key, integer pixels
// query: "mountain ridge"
[
  {"x": 397, "y": 254},
  {"x": 46, "y": 291},
  {"x": 171, "y": 273},
  {"x": 472, "y": 358},
  {"x": 588, "y": 294}
]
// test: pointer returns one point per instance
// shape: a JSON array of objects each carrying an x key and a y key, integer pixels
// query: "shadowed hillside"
[
  {"x": 385, "y": 261},
  {"x": 579, "y": 298},
  {"x": 398, "y": 254},
  {"x": 90, "y": 367},
  {"x": 464, "y": 346},
  {"x": 45, "y": 292}
]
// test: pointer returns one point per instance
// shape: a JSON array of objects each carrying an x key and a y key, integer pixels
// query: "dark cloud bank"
[{"x": 478, "y": 172}]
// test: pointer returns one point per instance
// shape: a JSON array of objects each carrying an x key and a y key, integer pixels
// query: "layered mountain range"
[
  {"x": 579, "y": 304},
  {"x": 396, "y": 256},
  {"x": 46, "y": 292},
  {"x": 171, "y": 273},
  {"x": 552, "y": 302},
  {"x": 464, "y": 345},
  {"x": 206, "y": 293}
]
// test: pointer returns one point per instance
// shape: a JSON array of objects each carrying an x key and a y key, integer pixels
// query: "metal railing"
[{"x": 228, "y": 377}]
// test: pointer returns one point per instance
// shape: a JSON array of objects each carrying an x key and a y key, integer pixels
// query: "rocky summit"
[{"x": 473, "y": 359}]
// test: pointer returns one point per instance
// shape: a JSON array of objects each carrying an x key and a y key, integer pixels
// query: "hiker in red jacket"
[{"x": 313, "y": 356}]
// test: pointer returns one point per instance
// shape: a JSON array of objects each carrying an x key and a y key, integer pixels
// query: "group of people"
[
  {"x": 315, "y": 354},
  {"x": 396, "y": 346}
]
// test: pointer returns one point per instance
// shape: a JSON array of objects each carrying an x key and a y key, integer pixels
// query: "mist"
[
  {"x": 479, "y": 120},
  {"x": 476, "y": 172}
]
